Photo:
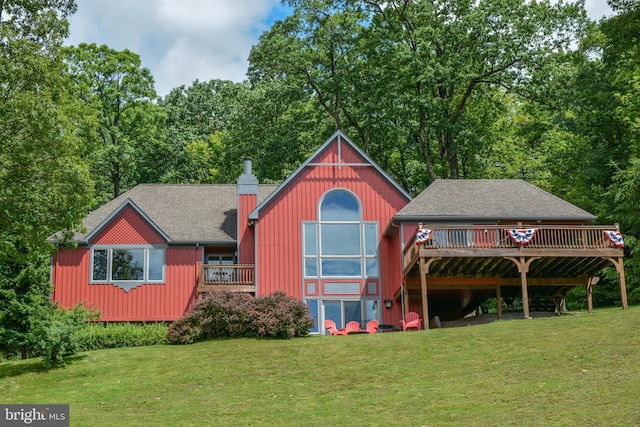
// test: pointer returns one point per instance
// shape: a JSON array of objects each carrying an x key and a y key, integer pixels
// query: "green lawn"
[{"x": 574, "y": 370}]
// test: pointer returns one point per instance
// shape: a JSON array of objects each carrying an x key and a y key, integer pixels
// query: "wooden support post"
[
  {"x": 619, "y": 263},
  {"x": 623, "y": 286},
  {"x": 589, "y": 295},
  {"x": 406, "y": 300},
  {"x": 499, "y": 301},
  {"x": 525, "y": 289},
  {"x": 423, "y": 286},
  {"x": 523, "y": 267}
]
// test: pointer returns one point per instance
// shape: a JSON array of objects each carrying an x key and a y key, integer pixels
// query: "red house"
[{"x": 338, "y": 233}]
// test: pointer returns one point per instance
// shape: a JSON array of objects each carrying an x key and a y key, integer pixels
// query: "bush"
[
  {"x": 56, "y": 336},
  {"x": 280, "y": 316},
  {"x": 228, "y": 314},
  {"x": 97, "y": 336}
]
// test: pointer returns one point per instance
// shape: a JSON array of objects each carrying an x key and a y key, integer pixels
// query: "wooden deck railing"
[
  {"x": 562, "y": 237},
  {"x": 236, "y": 277}
]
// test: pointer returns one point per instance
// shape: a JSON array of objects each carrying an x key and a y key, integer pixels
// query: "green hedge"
[{"x": 97, "y": 336}]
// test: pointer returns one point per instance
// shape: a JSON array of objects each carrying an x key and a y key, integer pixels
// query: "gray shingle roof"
[
  {"x": 489, "y": 199},
  {"x": 185, "y": 213}
]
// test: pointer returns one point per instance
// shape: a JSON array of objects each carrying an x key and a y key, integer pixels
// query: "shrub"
[
  {"x": 280, "y": 316},
  {"x": 97, "y": 336},
  {"x": 56, "y": 336},
  {"x": 228, "y": 314}
]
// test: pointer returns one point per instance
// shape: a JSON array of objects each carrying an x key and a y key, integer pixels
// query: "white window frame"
[{"x": 111, "y": 248}]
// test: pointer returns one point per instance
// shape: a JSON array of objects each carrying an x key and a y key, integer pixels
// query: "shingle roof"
[
  {"x": 185, "y": 213},
  {"x": 489, "y": 199}
]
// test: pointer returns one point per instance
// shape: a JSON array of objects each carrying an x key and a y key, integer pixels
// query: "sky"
[{"x": 184, "y": 40}]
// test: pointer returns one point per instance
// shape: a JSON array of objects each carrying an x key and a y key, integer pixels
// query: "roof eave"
[
  {"x": 424, "y": 218},
  {"x": 254, "y": 214},
  {"x": 128, "y": 202}
]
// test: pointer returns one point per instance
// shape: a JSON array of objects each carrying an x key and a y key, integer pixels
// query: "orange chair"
[
  {"x": 412, "y": 321},
  {"x": 331, "y": 327},
  {"x": 372, "y": 326},
  {"x": 353, "y": 326}
]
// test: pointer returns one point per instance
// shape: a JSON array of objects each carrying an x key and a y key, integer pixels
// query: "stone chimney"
[{"x": 247, "y": 202}]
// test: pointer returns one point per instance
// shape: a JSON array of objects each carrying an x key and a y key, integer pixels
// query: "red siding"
[
  {"x": 153, "y": 302},
  {"x": 128, "y": 228},
  {"x": 246, "y": 238},
  {"x": 279, "y": 226},
  {"x": 147, "y": 302}
]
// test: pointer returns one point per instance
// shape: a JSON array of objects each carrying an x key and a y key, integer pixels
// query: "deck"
[
  {"x": 460, "y": 265},
  {"x": 234, "y": 278}
]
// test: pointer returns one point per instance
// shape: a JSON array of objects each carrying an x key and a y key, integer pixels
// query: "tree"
[
  {"x": 120, "y": 93},
  {"x": 587, "y": 131},
  {"x": 44, "y": 183},
  {"x": 197, "y": 118},
  {"x": 406, "y": 70}
]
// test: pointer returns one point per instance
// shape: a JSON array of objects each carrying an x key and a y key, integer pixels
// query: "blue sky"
[{"x": 184, "y": 40}]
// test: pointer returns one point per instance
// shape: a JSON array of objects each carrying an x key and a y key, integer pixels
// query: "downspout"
[{"x": 254, "y": 224}]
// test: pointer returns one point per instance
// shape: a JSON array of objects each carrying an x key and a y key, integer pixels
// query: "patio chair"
[
  {"x": 412, "y": 321},
  {"x": 333, "y": 330},
  {"x": 372, "y": 326},
  {"x": 353, "y": 326}
]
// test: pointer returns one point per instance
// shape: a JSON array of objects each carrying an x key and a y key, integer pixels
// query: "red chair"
[
  {"x": 412, "y": 321},
  {"x": 353, "y": 326},
  {"x": 331, "y": 327},
  {"x": 372, "y": 326}
]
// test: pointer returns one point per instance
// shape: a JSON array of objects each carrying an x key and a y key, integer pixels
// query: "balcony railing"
[
  {"x": 236, "y": 277},
  {"x": 476, "y": 239}
]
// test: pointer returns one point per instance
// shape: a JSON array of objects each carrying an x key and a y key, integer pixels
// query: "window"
[
  {"x": 343, "y": 311},
  {"x": 340, "y": 254},
  {"x": 127, "y": 264},
  {"x": 340, "y": 244}
]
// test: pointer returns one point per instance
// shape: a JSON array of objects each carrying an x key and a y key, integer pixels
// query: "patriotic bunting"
[
  {"x": 522, "y": 236},
  {"x": 615, "y": 237},
  {"x": 422, "y": 235}
]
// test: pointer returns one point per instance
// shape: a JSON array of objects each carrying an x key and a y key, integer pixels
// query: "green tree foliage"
[
  {"x": 410, "y": 79},
  {"x": 197, "y": 118},
  {"x": 585, "y": 134},
  {"x": 119, "y": 92},
  {"x": 24, "y": 305},
  {"x": 275, "y": 123},
  {"x": 44, "y": 183}
]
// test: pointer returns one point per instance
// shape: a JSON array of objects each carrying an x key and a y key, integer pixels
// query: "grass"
[{"x": 581, "y": 369}]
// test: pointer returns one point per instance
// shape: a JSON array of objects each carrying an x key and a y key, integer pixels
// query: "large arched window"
[
  {"x": 341, "y": 273},
  {"x": 340, "y": 244}
]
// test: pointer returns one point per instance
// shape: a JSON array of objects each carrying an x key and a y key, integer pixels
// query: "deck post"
[
  {"x": 623, "y": 287},
  {"x": 523, "y": 267},
  {"x": 619, "y": 263},
  {"x": 423, "y": 286},
  {"x": 589, "y": 295},
  {"x": 405, "y": 306},
  {"x": 499, "y": 301}
]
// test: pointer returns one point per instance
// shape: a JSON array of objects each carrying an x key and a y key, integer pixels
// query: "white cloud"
[
  {"x": 178, "y": 40},
  {"x": 184, "y": 40}
]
